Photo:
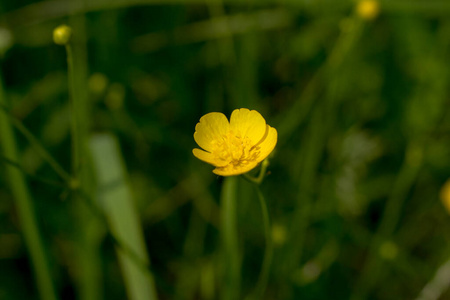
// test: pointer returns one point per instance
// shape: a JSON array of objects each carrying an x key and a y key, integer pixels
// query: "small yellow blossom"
[
  {"x": 62, "y": 35},
  {"x": 368, "y": 9},
  {"x": 445, "y": 195},
  {"x": 234, "y": 147}
]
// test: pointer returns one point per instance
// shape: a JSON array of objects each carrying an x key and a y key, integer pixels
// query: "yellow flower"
[
  {"x": 445, "y": 195},
  {"x": 234, "y": 147},
  {"x": 368, "y": 9}
]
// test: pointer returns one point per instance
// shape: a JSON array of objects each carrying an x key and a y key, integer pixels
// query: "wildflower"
[
  {"x": 368, "y": 9},
  {"x": 62, "y": 34},
  {"x": 234, "y": 147}
]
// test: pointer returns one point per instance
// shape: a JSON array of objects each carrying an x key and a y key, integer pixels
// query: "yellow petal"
[
  {"x": 267, "y": 144},
  {"x": 231, "y": 171},
  {"x": 208, "y": 157},
  {"x": 211, "y": 127},
  {"x": 249, "y": 123}
]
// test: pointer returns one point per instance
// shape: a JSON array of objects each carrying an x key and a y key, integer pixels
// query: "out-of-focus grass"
[{"x": 361, "y": 107}]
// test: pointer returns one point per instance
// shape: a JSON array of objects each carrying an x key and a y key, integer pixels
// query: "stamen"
[{"x": 235, "y": 150}]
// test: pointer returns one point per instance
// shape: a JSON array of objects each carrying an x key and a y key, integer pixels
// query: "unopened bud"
[
  {"x": 62, "y": 34},
  {"x": 445, "y": 195},
  {"x": 368, "y": 9}
]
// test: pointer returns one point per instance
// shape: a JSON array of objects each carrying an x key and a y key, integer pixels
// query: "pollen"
[{"x": 235, "y": 150}]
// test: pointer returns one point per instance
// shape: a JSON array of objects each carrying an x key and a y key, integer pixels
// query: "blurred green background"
[{"x": 360, "y": 102}]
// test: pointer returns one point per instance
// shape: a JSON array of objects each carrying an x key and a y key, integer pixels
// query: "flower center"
[{"x": 235, "y": 149}]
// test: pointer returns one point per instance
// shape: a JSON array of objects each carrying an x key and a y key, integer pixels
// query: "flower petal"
[
  {"x": 208, "y": 157},
  {"x": 249, "y": 123},
  {"x": 267, "y": 144},
  {"x": 231, "y": 171},
  {"x": 211, "y": 127}
]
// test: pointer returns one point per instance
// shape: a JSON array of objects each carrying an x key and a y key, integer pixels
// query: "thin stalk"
[
  {"x": 38, "y": 147},
  {"x": 93, "y": 206},
  {"x": 389, "y": 221},
  {"x": 74, "y": 110},
  {"x": 90, "y": 230},
  {"x": 262, "y": 173},
  {"x": 35, "y": 177},
  {"x": 230, "y": 240},
  {"x": 323, "y": 117},
  {"x": 297, "y": 114},
  {"x": 261, "y": 284},
  {"x": 25, "y": 208}
]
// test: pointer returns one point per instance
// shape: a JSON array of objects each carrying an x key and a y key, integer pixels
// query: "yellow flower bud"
[
  {"x": 445, "y": 195},
  {"x": 368, "y": 9},
  {"x": 62, "y": 34}
]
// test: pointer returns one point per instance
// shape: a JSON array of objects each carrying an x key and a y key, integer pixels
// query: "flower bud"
[
  {"x": 62, "y": 34},
  {"x": 368, "y": 9},
  {"x": 445, "y": 195}
]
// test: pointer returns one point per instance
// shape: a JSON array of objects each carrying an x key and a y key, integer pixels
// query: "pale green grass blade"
[
  {"x": 116, "y": 200},
  {"x": 25, "y": 208},
  {"x": 434, "y": 289}
]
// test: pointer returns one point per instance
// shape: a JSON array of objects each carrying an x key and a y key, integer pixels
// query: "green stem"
[
  {"x": 90, "y": 230},
  {"x": 74, "y": 110},
  {"x": 268, "y": 253},
  {"x": 323, "y": 116},
  {"x": 391, "y": 215},
  {"x": 25, "y": 207},
  {"x": 37, "y": 146},
  {"x": 230, "y": 240},
  {"x": 262, "y": 173},
  {"x": 97, "y": 211},
  {"x": 35, "y": 177}
]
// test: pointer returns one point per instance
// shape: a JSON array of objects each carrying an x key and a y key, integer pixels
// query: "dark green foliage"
[{"x": 362, "y": 112}]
